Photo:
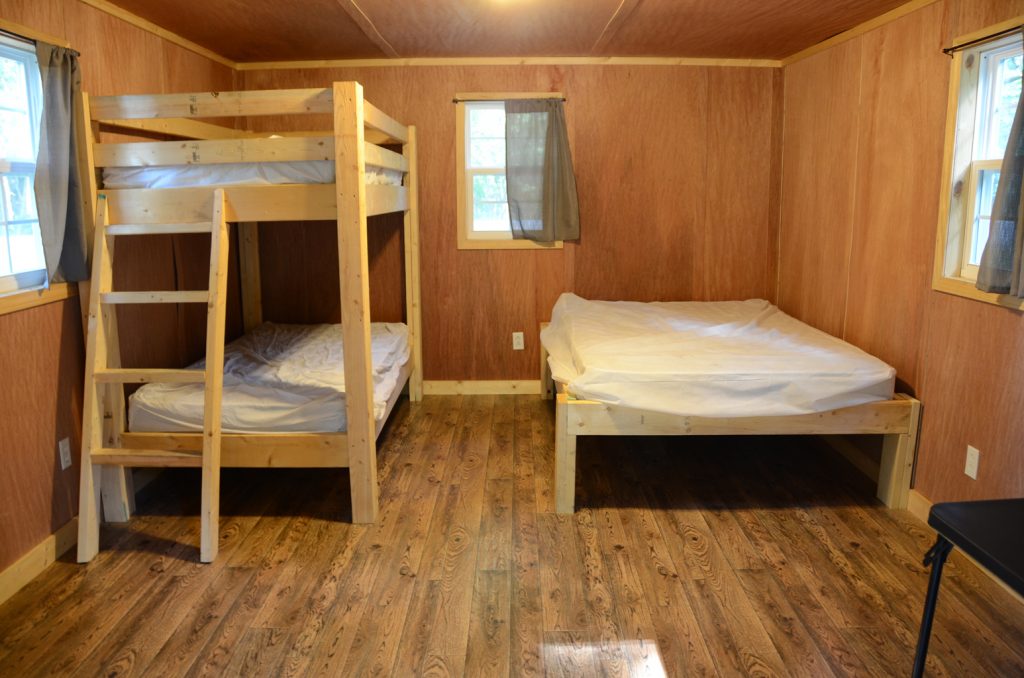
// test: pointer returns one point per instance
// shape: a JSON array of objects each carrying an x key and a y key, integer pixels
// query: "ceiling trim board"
[
  {"x": 859, "y": 29},
  {"x": 366, "y": 25},
  {"x": 137, "y": 21},
  {"x": 507, "y": 61},
  {"x": 32, "y": 34}
]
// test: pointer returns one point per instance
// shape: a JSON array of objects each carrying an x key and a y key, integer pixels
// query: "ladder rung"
[
  {"x": 146, "y": 376},
  {"x": 170, "y": 297},
  {"x": 158, "y": 458},
  {"x": 159, "y": 229}
]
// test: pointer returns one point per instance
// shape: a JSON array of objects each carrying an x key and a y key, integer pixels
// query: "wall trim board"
[
  {"x": 860, "y": 29},
  {"x": 20, "y": 301},
  {"x": 32, "y": 34},
  {"x": 137, "y": 21},
  {"x": 480, "y": 387},
  {"x": 507, "y": 61},
  {"x": 919, "y": 506},
  {"x": 30, "y": 565}
]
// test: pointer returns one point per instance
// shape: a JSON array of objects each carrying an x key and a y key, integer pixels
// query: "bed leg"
[
  {"x": 565, "y": 458},
  {"x": 897, "y": 463},
  {"x": 547, "y": 384}
]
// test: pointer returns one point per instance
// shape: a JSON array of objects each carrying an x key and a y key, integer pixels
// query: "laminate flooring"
[{"x": 686, "y": 557}]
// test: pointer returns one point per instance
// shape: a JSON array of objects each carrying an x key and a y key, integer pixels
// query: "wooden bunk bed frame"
[
  {"x": 897, "y": 420},
  {"x": 360, "y": 130}
]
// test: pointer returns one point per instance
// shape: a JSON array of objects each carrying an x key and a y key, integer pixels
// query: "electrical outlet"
[
  {"x": 971, "y": 466},
  {"x": 517, "y": 341},
  {"x": 64, "y": 447}
]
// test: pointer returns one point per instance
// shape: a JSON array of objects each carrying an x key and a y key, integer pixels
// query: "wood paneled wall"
[
  {"x": 862, "y": 153},
  {"x": 674, "y": 172},
  {"x": 41, "y": 364}
]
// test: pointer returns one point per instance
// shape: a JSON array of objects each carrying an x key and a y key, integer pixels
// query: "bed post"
[
  {"x": 117, "y": 491},
  {"x": 547, "y": 384},
  {"x": 565, "y": 457},
  {"x": 349, "y": 157},
  {"x": 249, "y": 274},
  {"x": 412, "y": 268},
  {"x": 894, "y": 471}
]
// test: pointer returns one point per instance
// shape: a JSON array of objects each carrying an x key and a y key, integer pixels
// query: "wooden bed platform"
[
  {"x": 897, "y": 419},
  {"x": 359, "y": 132}
]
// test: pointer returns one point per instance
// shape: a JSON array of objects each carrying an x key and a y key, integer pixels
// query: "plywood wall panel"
[
  {"x": 737, "y": 222},
  {"x": 961, "y": 357},
  {"x": 904, "y": 78},
  {"x": 973, "y": 395},
  {"x": 819, "y": 159},
  {"x": 46, "y": 16},
  {"x": 40, "y": 403}
]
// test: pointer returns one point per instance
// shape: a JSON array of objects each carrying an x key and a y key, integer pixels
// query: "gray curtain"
[
  {"x": 1001, "y": 261},
  {"x": 57, "y": 184},
  {"x": 542, "y": 201}
]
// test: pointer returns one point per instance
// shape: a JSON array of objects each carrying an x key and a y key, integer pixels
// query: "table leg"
[{"x": 936, "y": 557}]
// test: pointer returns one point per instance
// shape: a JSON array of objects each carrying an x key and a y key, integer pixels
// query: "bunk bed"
[
  {"x": 200, "y": 177},
  {"x": 715, "y": 368}
]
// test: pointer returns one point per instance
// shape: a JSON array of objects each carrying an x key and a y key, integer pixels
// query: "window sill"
[
  {"x": 20, "y": 301},
  {"x": 509, "y": 244},
  {"x": 966, "y": 288}
]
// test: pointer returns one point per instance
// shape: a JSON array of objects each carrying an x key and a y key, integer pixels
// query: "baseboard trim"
[
  {"x": 919, "y": 506},
  {"x": 30, "y": 565},
  {"x": 479, "y": 387}
]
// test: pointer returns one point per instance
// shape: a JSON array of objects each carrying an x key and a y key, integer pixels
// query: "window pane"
[
  {"x": 491, "y": 217},
  {"x": 988, "y": 181},
  {"x": 5, "y": 253},
  {"x": 26, "y": 247},
  {"x": 489, "y": 188},
  {"x": 487, "y": 154},
  {"x": 1004, "y": 103},
  {"x": 13, "y": 91},
  {"x": 487, "y": 120},
  {"x": 16, "y": 136},
  {"x": 19, "y": 197}
]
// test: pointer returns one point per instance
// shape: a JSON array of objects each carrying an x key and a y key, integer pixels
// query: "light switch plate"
[{"x": 971, "y": 465}]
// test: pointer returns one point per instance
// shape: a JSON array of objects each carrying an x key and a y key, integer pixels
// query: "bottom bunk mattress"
[
  {"x": 278, "y": 379},
  {"x": 707, "y": 359}
]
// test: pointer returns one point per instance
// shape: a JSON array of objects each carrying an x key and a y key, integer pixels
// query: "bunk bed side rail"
[{"x": 213, "y": 104}]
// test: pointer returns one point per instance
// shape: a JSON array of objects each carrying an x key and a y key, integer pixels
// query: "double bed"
[{"x": 715, "y": 368}]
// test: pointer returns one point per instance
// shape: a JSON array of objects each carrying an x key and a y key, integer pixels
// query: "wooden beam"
[
  {"x": 219, "y": 151},
  {"x": 213, "y": 104},
  {"x": 460, "y": 62},
  {"x": 249, "y": 274},
  {"x": 177, "y": 127},
  {"x": 374, "y": 118},
  {"x": 354, "y": 281},
  {"x": 411, "y": 225},
  {"x": 356, "y": 13}
]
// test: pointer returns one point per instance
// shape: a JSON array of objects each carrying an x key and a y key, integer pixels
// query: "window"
[
  {"x": 986, "y": 82},
  {"x": 22, "y": 265},
  {"x": 483, "y": 218}
]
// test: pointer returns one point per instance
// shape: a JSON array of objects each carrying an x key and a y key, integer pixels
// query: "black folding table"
[{"x": 991, "y": 532}]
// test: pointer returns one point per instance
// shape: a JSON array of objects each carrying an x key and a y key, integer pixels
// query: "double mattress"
[
  {"x": 238, "y": 174},
  {"x": 707, "y": 359},
  {"x": 277, "y": 379}
]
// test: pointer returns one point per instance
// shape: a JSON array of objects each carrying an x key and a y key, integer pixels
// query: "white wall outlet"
[
  {"x": 517, "y": 341},
  {"x": 971, "y": 466},
  {"x": 64, "y": 448}
]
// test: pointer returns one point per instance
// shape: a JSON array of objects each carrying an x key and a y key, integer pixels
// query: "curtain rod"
[
  {"x": 457, "y": 100},
  {"x": 977, "y": 41}
]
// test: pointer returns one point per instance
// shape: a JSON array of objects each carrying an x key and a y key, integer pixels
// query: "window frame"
[
  {"x": 21, "y": 49},
  {"x": 476, "y": 241},
  {"x": 952, "y": 268}
]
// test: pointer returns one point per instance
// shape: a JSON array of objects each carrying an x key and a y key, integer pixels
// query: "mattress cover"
[
  {"x": 278, "y": 378},
  {"x": 238, "y": 174},
  {"x": 707, "y": 359}
]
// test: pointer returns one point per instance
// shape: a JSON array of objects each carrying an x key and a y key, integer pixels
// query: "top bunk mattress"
[
  {"x": 278, "y": 379},
  {"x": 707, "y": 359},
  {"x": 238, "y": 174}
]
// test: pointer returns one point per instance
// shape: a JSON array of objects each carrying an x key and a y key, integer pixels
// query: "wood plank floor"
[{"x": 696, "y": 556}]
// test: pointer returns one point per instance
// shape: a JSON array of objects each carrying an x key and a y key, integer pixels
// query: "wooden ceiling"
[{"x": 279, "y": 30}]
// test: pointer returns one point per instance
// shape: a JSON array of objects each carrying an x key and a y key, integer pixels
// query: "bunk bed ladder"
[{"x": 104, "y": 378}]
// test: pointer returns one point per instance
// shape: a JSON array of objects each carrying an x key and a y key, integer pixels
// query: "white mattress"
[
  {"x": 238, "y": 174},
  {"x": 277, "y": 378},
  {"x": 707, "y": 359}
]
